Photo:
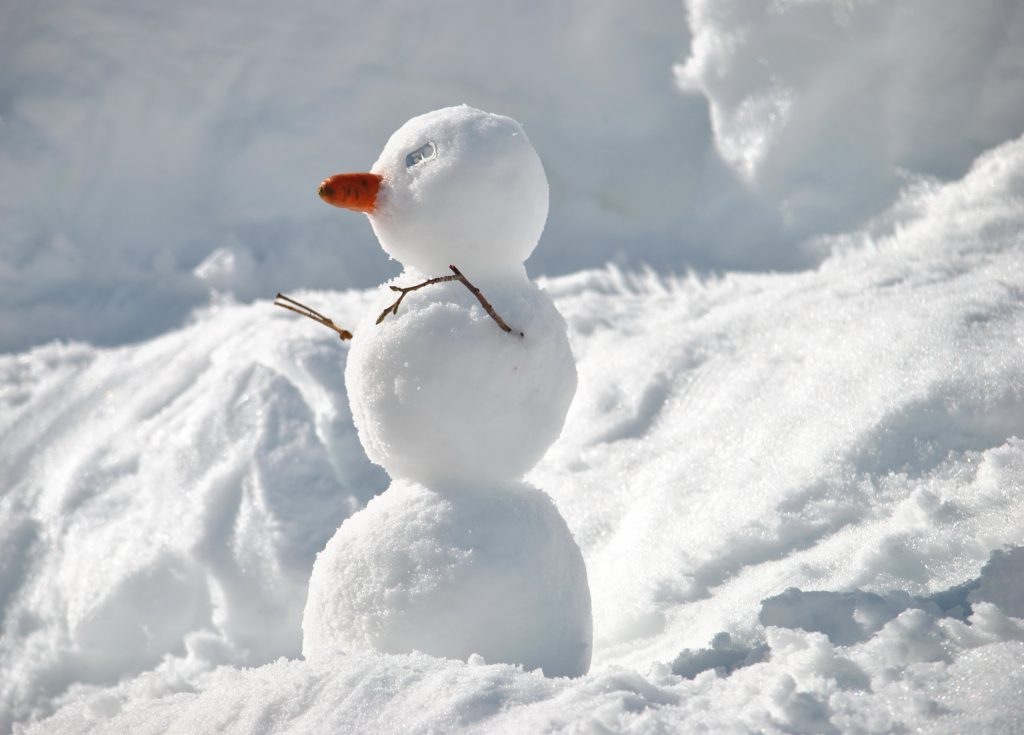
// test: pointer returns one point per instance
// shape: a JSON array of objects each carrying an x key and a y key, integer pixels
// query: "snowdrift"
[
  {"x": 829, "y": 109},
  {"x": 800, "y": 498}
]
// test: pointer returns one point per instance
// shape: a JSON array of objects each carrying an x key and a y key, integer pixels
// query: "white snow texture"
[
  {"x": 485, "y": 570},
  {"x": 149, "y": 155},
  {"x": 462, "y": 558},
  {"x": 799, "y": 493},
  {"x": 494, "y": 402},
  {"x": 482, "y": 170}
]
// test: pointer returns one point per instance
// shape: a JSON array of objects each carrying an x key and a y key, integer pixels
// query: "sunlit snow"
[{"x": 799, "y": 493}]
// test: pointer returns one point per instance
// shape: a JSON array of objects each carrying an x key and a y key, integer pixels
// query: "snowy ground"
[
  {"x": 800, "y": 498},
  {"x": 799, "y": 494}
]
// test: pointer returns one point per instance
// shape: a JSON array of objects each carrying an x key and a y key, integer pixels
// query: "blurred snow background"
[
  {"x": 823, "y": 464},
  {"x": 149, "y": 152}
]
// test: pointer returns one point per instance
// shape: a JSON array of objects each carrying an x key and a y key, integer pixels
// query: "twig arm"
[
  {"x": 305, "y": 309},
  {"x": 292, "y": 305},
  {"x": 483, "y": 301},
  {"x": 403, "y": 290},
  {"x": 457, "y": 276}
]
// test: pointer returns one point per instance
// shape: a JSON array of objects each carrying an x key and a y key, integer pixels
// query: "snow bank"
[
  {"x": 827, "y": 467},
  {"x": 154, "y": 492},
  {"x": 941, "y": 676},
  {"x": 140, "y": 145},
  {"x": 149, "y": 155},
  {"x": 829, "y": 108}
]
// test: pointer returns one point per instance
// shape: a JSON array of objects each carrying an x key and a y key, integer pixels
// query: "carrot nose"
[{"x": 351, "y": 191}]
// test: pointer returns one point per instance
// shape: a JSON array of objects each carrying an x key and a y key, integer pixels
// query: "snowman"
[{"x": 457, "y": 388}]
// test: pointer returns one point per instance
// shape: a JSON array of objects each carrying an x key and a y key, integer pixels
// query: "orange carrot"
[{"x": 351, "y": 191}]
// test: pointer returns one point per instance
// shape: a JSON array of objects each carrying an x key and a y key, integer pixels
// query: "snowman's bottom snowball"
[{"x": 493, "y": 571}]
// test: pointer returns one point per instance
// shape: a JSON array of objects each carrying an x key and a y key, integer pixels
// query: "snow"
[
  {"x": 830, "y": 108},
  {"x": 438, "y": 392},
  {"x": 485, "y": 569},
  {"x": 149, "y": 155},
  {"x": 139, "y": 145},
  {"x": 481, "y": 170},
  {"x": 797, "y": 487},
  {"x": 827, "y": 466},
  {"x": 458, "y": 557},
  {"x": 493, "y": 401}
]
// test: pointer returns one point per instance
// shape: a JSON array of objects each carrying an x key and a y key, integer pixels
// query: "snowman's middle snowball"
[{"x": 440, "y": 394}]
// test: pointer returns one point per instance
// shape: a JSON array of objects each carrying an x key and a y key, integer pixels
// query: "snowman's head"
[{"x": 454, "y": 186}]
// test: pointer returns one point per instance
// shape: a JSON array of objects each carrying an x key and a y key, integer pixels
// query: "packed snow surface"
[{"x": 800, "y": 498}]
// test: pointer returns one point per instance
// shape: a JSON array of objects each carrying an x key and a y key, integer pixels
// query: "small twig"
[
  {"x": 483, "y": 302},
  {"x": 306, "y": 310},
  {"x": 292, "y": 305},
  {"x": 313, "y": 314},
  {"x": 403, "y": 290}
]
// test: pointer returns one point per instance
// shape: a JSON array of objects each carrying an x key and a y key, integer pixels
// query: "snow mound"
[
  {"x": 826, "y": 466},
  {"x": 168, "y": 498},
  {"x": 828, "y": 109}
]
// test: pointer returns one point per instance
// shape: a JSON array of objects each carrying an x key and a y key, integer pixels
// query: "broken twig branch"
[
  {"x": 483, "y": 302},
  {"x": 293, "y": 305},
  {"x": 403, "y": 290}
]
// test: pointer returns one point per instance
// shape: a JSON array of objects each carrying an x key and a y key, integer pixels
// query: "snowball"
[
  {"x": 491, "y": 570},
  {"x": 460, "y": 186},
  {"x": 439, "y": 392}
]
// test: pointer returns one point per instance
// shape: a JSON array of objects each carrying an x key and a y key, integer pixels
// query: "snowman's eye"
[{"x": 424, "y": 153}]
